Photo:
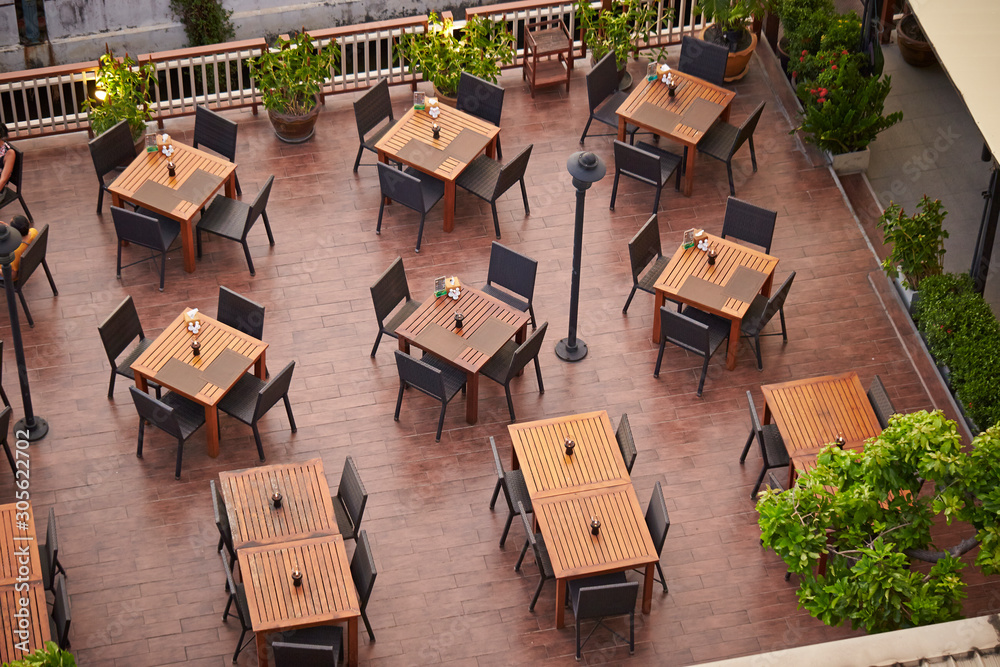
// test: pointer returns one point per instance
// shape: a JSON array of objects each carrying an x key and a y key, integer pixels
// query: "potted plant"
[
  {"x": 917, "y": 241},
  {"x": 440, "y": 56},
  {"x": 289, "y": 77},
  {"x": 729, "y": 28},
  {"x": 123, "y": 87},
  {"x": 617, "y": 29},
  {"x": 913, "y": 45},
  {"x": 48, "y": 656}
]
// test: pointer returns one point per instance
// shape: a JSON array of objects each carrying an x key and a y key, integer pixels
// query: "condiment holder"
[
  {"x": 276, "y": 500},
  {"x": 595, "y": 526},
  {"x": 569, "y": 445},
  {"x": 296, "y": 577},
  {"x": 432, "y": 107}
]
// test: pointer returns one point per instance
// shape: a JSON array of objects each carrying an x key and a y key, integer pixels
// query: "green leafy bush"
[
  {"x": 291, "y": 73},
  {"x": 917, "y": 241},
  {"x": 205, "y": 21},
  {"x": 49, "y": 656},
  {"x": 125, "y": 85}
]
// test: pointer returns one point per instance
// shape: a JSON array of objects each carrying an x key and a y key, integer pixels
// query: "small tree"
[
  {"x": 863, "y": 511},
  {"x": 126, "y": 86},
  {"x": 917, "y": 241}
]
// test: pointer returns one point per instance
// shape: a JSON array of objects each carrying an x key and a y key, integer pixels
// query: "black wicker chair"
[
  {"x": 626, "y": 444},
  {"x": 488, "y": 180},
  {"x": 31, "y": 258},
  {"x": 542, "y": 560},
  {"x": 374, "y": 107},
  {"x": 172, "y": 414},
  {"x": 515, "y": 492},
  {"x": 761, "y": 311},
  {"x": 411, "y": 188},
  {"x": 601, "y": 597},
  {"x": 749, "y": 223},
  {"x": 349, "y": 503},
  {"x": 482, "y": 99},
  {"x": 48, "y": 553},
  {"x": 217, "y": 133},
  {"x": 430, "y": 376},
  {"x": 363, "y": 573},
  {"x": 703, "y": 59},
  {"x": 604, "y": 98},
  {"x": 881, "y": 404},
  {"x": 14, "y": 194},
  {"x": 118, "y": 331},
  {"x": 250, "y": 399},
  {"x": 511, "y": 278},
  {"x": 772, "y": 447},
  {"x": 695, "y": 331},
  {"x": 222, "y": 523},
  {"x": 723, "y": 140},
  {"x": 644, "y": 250},
  {"x": 648, "y": 164},
  {"x": 240, "y": 313},
  {"x": 233, "y": 220},
  {"x": 156, "y": 232},
  {"x": 511, "y": 359},
  {"x": 61, "y": 618},
  {"x": 237, "y": 594},
  {"x": 288, "y": 654},
  {"x": 110, "y": 151},
  {"x": 389, "y": 292},
  {"x": 658, "y": 524}
]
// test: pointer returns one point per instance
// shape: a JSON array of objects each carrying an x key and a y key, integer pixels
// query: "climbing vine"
[{"x": 205, "y": 21}]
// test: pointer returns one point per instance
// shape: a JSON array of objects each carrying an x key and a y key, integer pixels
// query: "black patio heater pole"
[
  {"x": 34, "y": 427},
  {"x": 586, "y": 169}
]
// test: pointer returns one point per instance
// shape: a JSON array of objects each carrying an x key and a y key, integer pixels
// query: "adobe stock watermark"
[
  {"x": 922, "y": 161},
  {"x": 21, "y": 547}
]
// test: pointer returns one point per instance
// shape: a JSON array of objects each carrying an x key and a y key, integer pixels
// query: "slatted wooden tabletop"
[
  {"x": 19, "y": 548},
  {"x": 693, "y": 262},
  {"x": 326, "y": 596},
  {"x": 306, "y": 506},
  {"x": 540, "y": 453},
  {"x": 13, "y": 642},
  {"x": 17, "y": 539}
]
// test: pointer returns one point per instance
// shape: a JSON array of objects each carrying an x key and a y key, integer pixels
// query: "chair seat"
[
  {"x": 480, "y": 177},
  {"x": 599, "y": 580},
  {"x": 648, "y": 279},
  {"x": 669, "y": 162},
  {"x": 171, "y": 227},
  {"x": 376, "y": 136},
  {"x": 718, "y": 327},
  {"x": 718, "y": 141},
  {"x": 454, "y": 379},
  {"x": 407, "y": 309},
  {"x": 190, "y": 415},
  {"x": 7, "y": 196},
  {"x": 241, "y": 401},
  {"x": 498, "y": 365},
  {"x": 509, "y": 298},
  {"x": 225, "y": 217},
  {"x": 774, "y": 445},
  {"x": 432, "y": 188},
  {"x": 344, "y": 523},
  {"x": 607, "y": 111},
  {"x": 751, "y": 324},
  {"x": 518, "y": 489},
  {"x": 124, "y": 367}
]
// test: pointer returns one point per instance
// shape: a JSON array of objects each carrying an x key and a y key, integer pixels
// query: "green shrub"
[
  {"x": 205, "y": 21},
  {"x": 49, "y": 656}
]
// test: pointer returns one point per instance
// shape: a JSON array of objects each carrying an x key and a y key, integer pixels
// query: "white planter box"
[{"x": 851, "y": 163}]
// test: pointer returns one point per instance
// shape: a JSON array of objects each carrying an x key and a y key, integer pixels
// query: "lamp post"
[
  {"x": 586, "y": 169},
  {"x": 34, "y": 427}
]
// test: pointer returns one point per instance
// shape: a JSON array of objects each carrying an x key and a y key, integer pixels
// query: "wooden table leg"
[
  {"x": 259, "y": 367},
  {"x": 212, "y": 429},
  {"x": 231, "y": 185},
  {"x": 734, "y": 344},
  {"x": 116, "y": 200},
  {"x": 261, "y": 649},
  {"x": 765, "y": 289},
  {"x": 658, "y": 301},
  {"x": 404, "y": 345},
  {"x": 141, "y": 384},
  {"x": 647, "y": 588},
  {"x": 560, "y": 603},
  {"x": 689, "y": 171},
  {"x": 472, "y": 398},
  {"x": 621, "y": 129},
  {"x": 449, "y": 205},
  {"x": 491, "y": 148},
  {"x": 725, "y": 112},
  {"x": 187, "y": 242},
  {"x": 352, "y": 642}
]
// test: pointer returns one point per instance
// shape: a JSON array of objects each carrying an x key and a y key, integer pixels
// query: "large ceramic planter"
[
  {"x": 293, "y": 128},
  {"x": 913, "y": 46},
  {"x": 850, "y": 163},
  {"x": 446, "y": 100},
  {"x": 738, "y": 63}
]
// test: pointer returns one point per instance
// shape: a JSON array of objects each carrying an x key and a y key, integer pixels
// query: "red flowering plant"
[{"x": 844, "y": 108}]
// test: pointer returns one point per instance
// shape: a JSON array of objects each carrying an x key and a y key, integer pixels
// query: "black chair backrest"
[
  {"x": 363, "y": 570},
  {"x": 513, "y": 171},
  {"x": 749, "y": 223},
  {"x": 221, "y": 516},
  {"x": 274, "y": 390},
  {"x": 757, "y": 429},
  {"x": 511, "y": 270},
  {"x": 390, "y": 290},
  {"x": 704, "y": 60},
  {"x": 15, "y": 175},
  {"x": 400, "y": 187},
  {"x": 527, "y": 351},
  {"x": 258, "y": 206},
  {"x": 684, "y": 332},
  {"x": 420, "y": 375},
  {"x": 156, "y": 412},
  {"x": 60, "y": 611},
  {"x": 777, "y": 300},
  {"x": 142, "y": 230},
  {"x": 32, "y": 256},
  {"x": 626, "y": 443},
  {"x": 644, "y": 247},
  {"x": 637, "y": 163},
  {"x": 52, "y": 542},
  {"x": 747, "y": 128},
  {"x": 529, "y": 531},
  {"x": 119, "y": 329},
  {"x": 602, "y": 81},
  {"x": 607, "y": 600},
  {"x": 881, "y": 404},
  {"x": 240, "y": 313},
  {"x": 501, "y": 474},
  {"x": 215, "y": 132},
  {"x": 303, "y": 655},
  {"x": 352, "y": 493},
  {"x": 480, "y": 98},
  {"x": 373, "y": 107},
  {"x": 113, "y": 148},
  {"x": 657, "y": 519}
]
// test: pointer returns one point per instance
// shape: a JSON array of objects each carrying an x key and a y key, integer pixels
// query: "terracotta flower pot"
[
  {"x": 294, "y": 128},
  {"x": 445, "y": 99},
  {"x": 738, "y": 63},
  {"x": 913, "y": 46}
]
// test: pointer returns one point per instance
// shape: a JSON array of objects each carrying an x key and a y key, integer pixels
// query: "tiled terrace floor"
[{"x": 145, "y": 582}]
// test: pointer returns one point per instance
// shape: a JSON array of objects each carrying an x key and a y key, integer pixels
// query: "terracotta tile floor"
[{"x": 139, "y": 547}]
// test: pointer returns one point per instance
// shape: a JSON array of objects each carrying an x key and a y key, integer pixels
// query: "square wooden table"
[
  {"x": 478, "y": 308},
  {"x": 326, "y": 596},
  {"x": 539, "y": 451},
  {"x": 693, "y": 262},
  {"x": 689, "y": 89},
  {"x": 306, "y": 505},
  {"x": 811, "y": 413},
  {"x": 19, "y": 547},
  {"x": 416, "y": 125},
  {"x": 175, "y": 343},
  {"x": 623, "y": 542},
  {"x": 153, "y": 167}
]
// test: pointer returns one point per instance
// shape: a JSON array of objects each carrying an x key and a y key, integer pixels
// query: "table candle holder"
[
  {"x": 671, "y": 85},
  {"x": 171, "y": 169},
  {"x": 195, "y": 348},
  {"x": 595, "y": 526},
  {"x": 840, "y": 441},
  {"x": 459, "y": 319},
  {"x": 276, "y": 500},
  {"x": 296, "y": 578},
  {"x": 570, "y": 446},
  {"x": 436, "y": 130},
  {"x": 712, "y": 254}
]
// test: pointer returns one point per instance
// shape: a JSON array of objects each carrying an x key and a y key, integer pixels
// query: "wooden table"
[
  {"x": 175, "y": 343},
  {"x": 478, "y": 309},
  {"x": 539, "y": 452},
  {"x": 19, "y": 547},
  {"x": 306, "y": 505},
  {"x": 326, "y": 596},
  {"x": 811, "y": 413},
  {"x": 623, "y": 543},
  {"x": 694, "y": 262},
  {"x": 416, "y": 125},
  {"x": 689, "y": 89},
  {"x": 153, "y": 167}
]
